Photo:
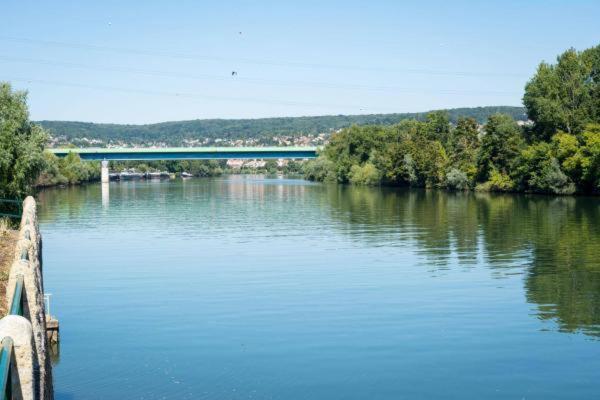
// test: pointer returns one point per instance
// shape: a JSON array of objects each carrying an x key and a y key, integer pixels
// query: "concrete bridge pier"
[
  {"x": 105, "y": 194},
  {"x": 104, "y": 172}
]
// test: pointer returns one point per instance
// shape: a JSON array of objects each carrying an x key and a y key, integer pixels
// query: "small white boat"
[{"x": 186, "y": 175}]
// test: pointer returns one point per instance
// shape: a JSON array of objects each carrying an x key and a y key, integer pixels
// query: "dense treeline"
[
  {"x": 559, "y": 153},
  {"x": 69, "y": 170},
  {"x": 174, "y": 133}
]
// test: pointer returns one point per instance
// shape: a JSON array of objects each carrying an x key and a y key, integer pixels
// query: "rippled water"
[{"x": 255, "y": 288}]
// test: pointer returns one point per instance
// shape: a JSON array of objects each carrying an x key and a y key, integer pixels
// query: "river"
[{"x": 247, "y": 287}]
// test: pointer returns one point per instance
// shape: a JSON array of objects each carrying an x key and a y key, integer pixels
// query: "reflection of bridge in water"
[{"x": 185, "y": 153}]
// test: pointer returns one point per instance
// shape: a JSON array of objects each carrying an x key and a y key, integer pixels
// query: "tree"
[
  {"x": 579, "y": 157},
  {"x": 322, "y": 170},
  {"x": 464, "y": 146},
  {"x": 271, "y": 166},
  {"x": 352, "y": 146},
  {"x": 21, "y": 144},
  {"x": 500, "y": 146},
  {"x": 564, "y": 96},
  {"x": 539, "y": 171},
  {"x": 365, "y": 175},
  {"x": 438, "y": 127}
]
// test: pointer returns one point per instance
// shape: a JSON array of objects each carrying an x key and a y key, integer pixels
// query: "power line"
[
  {"x": 93, "y": 47},
  {"x": 195, "y": 96},
  {"x": 320, "y": 85}
]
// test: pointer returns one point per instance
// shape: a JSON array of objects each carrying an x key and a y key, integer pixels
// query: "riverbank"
[
  {"x": 23, "y": 327},
  {"x": 8, "y": 241}
]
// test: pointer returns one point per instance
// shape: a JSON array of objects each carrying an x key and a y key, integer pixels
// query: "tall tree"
[
  {"x": 438, "y": 127},
  {"x": 500, "y": 146},
  {"x": 21, "y": 144},
  {"x": 564, "y": 96},
  {"x": 464, "y": 145}
]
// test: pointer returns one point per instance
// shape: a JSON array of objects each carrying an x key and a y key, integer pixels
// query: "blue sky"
[{"x": 150, "y": 61}]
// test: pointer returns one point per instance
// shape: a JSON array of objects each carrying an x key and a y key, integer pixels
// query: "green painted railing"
[
  {"x": 5, "y": 361},
  {"x": 16, "y": 308},
  {"x": 16, "y": 205}
]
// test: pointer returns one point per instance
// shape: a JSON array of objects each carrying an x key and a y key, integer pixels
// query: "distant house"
[{"x": 235, "y": 164}]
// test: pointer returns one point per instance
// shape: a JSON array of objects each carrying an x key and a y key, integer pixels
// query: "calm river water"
[{"x": 245, "y": 287}]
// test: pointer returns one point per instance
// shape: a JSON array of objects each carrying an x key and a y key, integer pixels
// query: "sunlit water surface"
[{"x": 257, "y": 288}]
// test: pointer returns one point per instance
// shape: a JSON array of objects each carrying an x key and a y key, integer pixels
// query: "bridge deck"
[{"x": 188, "y": 153}]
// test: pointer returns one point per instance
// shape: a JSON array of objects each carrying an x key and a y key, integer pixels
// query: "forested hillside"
[{"x": 175, "y": 133}]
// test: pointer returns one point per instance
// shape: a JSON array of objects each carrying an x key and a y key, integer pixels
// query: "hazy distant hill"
[{"x": 174, "y": 133}]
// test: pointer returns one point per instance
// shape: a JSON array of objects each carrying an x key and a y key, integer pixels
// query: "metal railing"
[
  {"x": 5, "y": 362},
  {"x": 16, "y": 308},
  {"x": 7, "y": 205}
]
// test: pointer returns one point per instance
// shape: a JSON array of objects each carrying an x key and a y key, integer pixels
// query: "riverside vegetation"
[{"x": 558, "y": 153}]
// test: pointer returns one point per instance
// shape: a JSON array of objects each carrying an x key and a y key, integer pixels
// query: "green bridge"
[{"x": 188, "y": 153}]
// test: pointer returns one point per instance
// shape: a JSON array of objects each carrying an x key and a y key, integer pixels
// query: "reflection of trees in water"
[
  {"x": 558, "y": 238},
  {"x": 71, "y": 200}
]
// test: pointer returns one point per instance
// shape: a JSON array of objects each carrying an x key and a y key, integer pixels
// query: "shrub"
[
  {"x": 321, "y": 170},
  {"x": 457, "y": 180},
  {"x": 368, "y": 175},
  {"x": 498, "y": 182}
]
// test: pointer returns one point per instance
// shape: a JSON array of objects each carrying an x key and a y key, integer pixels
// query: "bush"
[
  {"x": 368, "y": 175},
  {"x": 539, "y": 171},
  {"x": 50, "y": 174},
  {"x": 457, "y": 180},
  {"x": 321, "y": 170},
  {"x": 498, "y": 182},
  {"x": 551, "y": 179}
]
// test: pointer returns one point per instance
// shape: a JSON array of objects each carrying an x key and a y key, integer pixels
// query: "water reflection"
[{"x": 554, "y": 242}]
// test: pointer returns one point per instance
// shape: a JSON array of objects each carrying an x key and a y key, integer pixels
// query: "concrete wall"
[{"x": 31, "y": 358}]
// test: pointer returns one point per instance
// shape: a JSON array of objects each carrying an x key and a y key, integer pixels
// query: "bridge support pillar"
[{"x": 104, "y": 171}]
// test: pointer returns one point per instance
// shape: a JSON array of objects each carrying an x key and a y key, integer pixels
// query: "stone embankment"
[{"x": 31, "y": 369}]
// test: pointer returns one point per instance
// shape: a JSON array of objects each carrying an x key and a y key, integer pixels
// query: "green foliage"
[
  {"x": 438, "y": 127},
  {"x": 271, "y": 166},
  {"x": 464, "y": 147},
  {"x": 539, "y": 171},
  {"x": 500, "y": 145},
  {"x": 320, "y": 169},
  {"x": 68, "y": 170},
  {"x": 51, "y": 174},
  {"x": 21, "y": 145},
  {"x": 579, "y": 156},
  {"x": 262, "y": 129},
  {"x": 498, "y": 182},
  {"x": 292, "y": 167},
  {"x": 591, "y": 157},
  {"x": 366, "y": 174},
  {"x": 564, "y": 96},
  {"x": 353, "y": 146},
  {"x": 457, "y": 180}
]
